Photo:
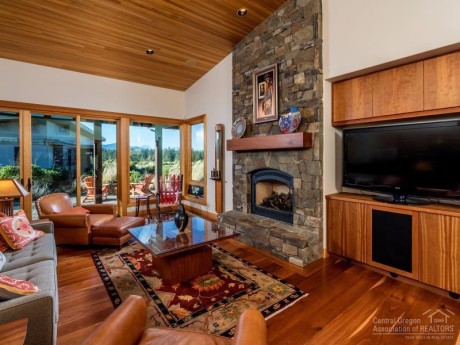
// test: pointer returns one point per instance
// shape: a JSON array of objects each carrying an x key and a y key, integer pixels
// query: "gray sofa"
[{"x": 36, "y": 263}]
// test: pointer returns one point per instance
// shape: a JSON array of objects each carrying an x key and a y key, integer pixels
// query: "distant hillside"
[{"x": 111, "y": 147}]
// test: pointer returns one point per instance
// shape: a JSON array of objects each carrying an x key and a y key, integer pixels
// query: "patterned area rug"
[{"x": 210, "y": 303}]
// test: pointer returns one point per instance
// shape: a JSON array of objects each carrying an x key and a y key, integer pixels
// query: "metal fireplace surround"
[{"x": 267, "y": 175}]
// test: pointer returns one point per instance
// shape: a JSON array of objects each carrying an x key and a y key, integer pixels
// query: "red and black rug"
[{"x": 210, "y": 303}]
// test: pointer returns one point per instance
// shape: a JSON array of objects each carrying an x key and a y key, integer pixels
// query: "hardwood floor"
[{"x": 344, "y": 305}]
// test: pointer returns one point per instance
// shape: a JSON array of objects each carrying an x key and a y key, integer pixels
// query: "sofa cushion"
[
  {"x": 17, "y": 230},
  {"x": 41, "y": 249},
  {"x": 2, "y": 260},
  {"x": 43, "y": 275},
  {"x": 12, "y": 287}
]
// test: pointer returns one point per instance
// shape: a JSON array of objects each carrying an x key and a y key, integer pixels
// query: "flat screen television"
[{"x": 421, "y": 160}]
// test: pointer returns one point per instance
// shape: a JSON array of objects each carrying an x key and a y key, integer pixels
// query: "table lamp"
[{"x": 10, "y": 189}]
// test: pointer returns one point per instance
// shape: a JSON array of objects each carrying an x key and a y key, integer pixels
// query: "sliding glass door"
[
  {"x": 98, "y": 161},
  {"x": 54, "y": 152},
  {"x": 91, "y": 157},
  {"x": 10, "y": 152}
]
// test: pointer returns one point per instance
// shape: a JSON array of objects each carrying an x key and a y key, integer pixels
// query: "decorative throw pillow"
[
  {"x": 2, "y": 260},
  {"x": 17, "y": 231},
  {"x": 76, "y": 210},
  {"x": 3, "y": 245},
  {"x": 12, "y": 287}
]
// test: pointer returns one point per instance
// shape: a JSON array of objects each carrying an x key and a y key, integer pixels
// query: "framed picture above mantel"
[{"x": 265, "y": 86}]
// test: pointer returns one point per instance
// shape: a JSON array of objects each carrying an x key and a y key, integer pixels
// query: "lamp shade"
[{"x": 11, "y": 188}]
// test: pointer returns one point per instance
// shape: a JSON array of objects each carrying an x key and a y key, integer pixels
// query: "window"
[
  {"x": 98, "y": 161},
  {"x": 9, "y": 146},
  {"x": 195, "y": 158},
  {"x": 54, "y": 158},
  {"x": 88, "y": 157},
  {"x": 145, "y": 140}
]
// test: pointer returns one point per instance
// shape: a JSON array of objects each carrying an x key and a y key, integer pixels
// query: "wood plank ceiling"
[{"x": 109, "y": 37}]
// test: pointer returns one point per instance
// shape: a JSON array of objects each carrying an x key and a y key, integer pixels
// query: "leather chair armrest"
[
  {"x": 251, "y": 329},
  {"x": 70, "y": 220},
  {"x": 102, "y": 209},
  {"x": 124, "y": 326}
]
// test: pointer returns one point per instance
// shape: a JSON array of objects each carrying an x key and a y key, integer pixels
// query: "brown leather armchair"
[
  {"x": 126, "y": 326},
  {"x": 70, "y": 227}
]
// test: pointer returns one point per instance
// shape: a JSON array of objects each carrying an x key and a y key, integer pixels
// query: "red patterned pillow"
[
  {"x": 12, "y": 287},
  {"x": 76, "y": 210},
  {"x": 3, "y": 245},
  {"x": 17, "y": 231}
]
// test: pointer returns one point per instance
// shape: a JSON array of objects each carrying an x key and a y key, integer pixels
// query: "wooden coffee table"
[{"x": 180, "y": 256}]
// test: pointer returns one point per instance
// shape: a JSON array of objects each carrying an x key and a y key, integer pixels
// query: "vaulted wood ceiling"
[{"x": 109, "y": 37}]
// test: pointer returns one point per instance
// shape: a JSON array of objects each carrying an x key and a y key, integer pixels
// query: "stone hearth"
[
  {"x": 291, "y": 37},
  {"x": 298, "y": 246}
]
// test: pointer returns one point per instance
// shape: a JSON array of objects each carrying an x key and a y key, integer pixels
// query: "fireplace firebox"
[{"x": 272, "y": 194}]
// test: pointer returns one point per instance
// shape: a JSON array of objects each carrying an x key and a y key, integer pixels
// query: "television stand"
[
  {"x": 416, "y": 242},
  {"x": 400, "y": 200}
]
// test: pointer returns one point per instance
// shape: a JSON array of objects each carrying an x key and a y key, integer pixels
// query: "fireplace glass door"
[{"x": 272, "y": 194}]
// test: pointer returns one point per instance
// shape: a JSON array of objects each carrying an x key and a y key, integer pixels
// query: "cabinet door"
[
  {"x": 346, "y": 229},
  {"x": 440, "y": 251},
  {"x": 398, "y": 90},
  {"x": 442, "y": 82},
  {"x": 352, "y": 99},
  {"x": 392, "y": 240}
]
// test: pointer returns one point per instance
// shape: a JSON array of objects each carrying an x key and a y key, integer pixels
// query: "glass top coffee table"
[{"x": 180, "y": 256}]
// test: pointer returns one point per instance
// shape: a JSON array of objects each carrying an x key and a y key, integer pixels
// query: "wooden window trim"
[{"x": 186, "y": 149}]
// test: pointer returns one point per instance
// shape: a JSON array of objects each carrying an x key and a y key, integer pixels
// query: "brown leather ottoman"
[{"x": 115, "y": 232}]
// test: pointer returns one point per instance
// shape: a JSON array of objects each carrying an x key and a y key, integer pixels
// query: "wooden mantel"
[{"x": 299, "y": 140}]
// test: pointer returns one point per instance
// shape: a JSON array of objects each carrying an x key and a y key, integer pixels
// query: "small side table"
[{"x": 138, "y": 199}]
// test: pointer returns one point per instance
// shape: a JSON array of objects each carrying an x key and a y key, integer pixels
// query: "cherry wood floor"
[{"x": 344, "y": 304}]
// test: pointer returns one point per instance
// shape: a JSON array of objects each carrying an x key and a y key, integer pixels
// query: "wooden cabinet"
[
  {"x": 352, "y": 99},
  {"x": 425, "y": 88},
  {"x": 398, "y": 90},
  {"x": 429, "y": 235},
  {"x": 442, "y": 81},
  {"x": 440, "y": 251},
  {"x": 346, "y": 225}
]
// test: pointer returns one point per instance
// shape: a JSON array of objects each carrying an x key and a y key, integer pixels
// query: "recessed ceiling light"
[
  {"x": 150, "y": 51},
  {"x": 242, "y": 12}
]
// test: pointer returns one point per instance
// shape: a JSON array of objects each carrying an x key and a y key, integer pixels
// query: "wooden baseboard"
[
  {"x": 153, "y": 210},
  {"x": 407, "y": 280},
  {"x": 204, "y": 214}
]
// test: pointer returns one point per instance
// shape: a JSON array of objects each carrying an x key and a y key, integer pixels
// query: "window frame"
[{"x": 186, "y": 158}]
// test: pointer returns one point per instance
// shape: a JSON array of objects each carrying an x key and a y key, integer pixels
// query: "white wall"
[
  {"x": 365, "y": 33},
  {"x": 212, "y": 95},
  {"x": 29, "y": 83},
  {"x": 359, "y": 34}
]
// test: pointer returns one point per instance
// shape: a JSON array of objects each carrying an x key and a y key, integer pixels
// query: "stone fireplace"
[
  {"x": 291, "y": 38},
  {"x": 272, "y": 194}
]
